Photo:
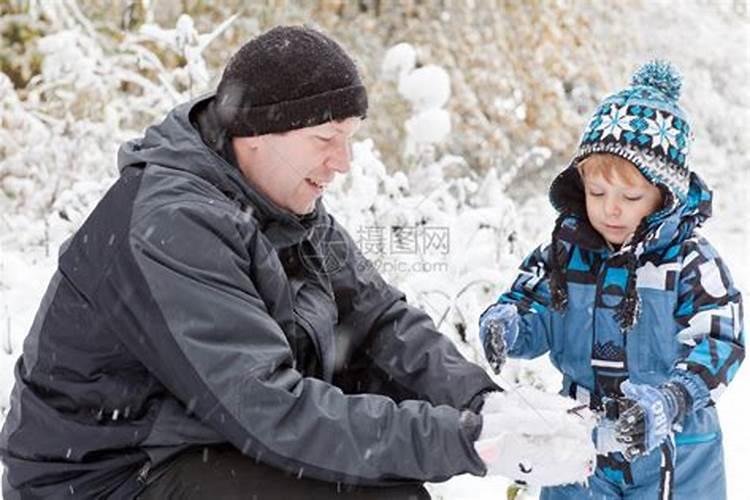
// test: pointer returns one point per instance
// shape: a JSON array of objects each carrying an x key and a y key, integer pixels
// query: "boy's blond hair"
[{"x": 611, "y": 167}]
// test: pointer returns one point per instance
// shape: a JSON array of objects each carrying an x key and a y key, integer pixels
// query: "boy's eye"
[
  {"x": 633, "y": 197},
  {"x": 595, "y": 193},
  {"x": 325, "y": 138}
]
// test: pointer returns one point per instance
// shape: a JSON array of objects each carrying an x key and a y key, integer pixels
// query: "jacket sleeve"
[
  {"x": 402, "y": 341},
  {"x": 189, "y": 309},
  {"x": 709, "y": 313},
  {"x": 530, "y": 293}
]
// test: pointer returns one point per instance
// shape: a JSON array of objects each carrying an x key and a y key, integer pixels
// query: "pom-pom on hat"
[
  {"x": 289, "y": 77},
  {"x": 645, "y": 125}
]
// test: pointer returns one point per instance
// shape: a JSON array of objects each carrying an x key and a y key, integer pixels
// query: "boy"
[{"x": 637, "y": 311}]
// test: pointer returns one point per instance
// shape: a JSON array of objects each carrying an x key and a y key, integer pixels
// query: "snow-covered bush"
[
  {"x": 60, "y": 133},
  {"x": 439, "y": 230},
  {"x": 466, "y": 110}
]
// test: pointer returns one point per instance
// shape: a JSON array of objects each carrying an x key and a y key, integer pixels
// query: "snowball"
[
  {"x": 426, "y": 88},
  {"x": 398, "y": 60},
  {"x": 429, "y": 127}
]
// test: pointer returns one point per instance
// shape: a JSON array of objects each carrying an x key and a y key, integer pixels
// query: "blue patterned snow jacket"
[{"x": 687, "y": 314}]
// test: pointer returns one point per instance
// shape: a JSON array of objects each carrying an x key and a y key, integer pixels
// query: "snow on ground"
[{"x": 27, "y": 275}]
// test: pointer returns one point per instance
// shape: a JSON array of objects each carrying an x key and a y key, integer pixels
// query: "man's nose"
[{"x": 340, "y": 158}]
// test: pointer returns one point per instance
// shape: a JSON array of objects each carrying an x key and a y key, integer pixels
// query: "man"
[{"x": 211, "y": 330}]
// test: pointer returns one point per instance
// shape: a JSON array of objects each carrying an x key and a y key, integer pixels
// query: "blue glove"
[
  {"x": 646, "y": 424},
  {"x": 498, "y": 329}
]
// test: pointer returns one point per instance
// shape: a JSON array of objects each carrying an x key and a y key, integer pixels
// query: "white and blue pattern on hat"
[{"x": 645, "y": 125}]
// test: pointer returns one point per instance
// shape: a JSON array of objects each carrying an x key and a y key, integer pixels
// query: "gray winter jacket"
[{"x": 189, "y": 310}]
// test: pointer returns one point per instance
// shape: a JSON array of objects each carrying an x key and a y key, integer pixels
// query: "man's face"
[
  {"x": 616, "y": 208},
  {"x": 294, "y": 168}
]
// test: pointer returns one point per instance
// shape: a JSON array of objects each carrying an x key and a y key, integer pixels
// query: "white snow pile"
[{"x": 545, "y": 439}]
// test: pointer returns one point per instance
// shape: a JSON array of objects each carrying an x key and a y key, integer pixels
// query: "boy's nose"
[{"x": 611, "y": 207}]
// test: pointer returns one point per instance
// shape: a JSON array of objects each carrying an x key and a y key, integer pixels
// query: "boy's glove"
[
  {"x": 536, "y": 438},
  {"x": 498, "y": 329},
  {"x": 647, "y": 423},
  {"x": 605, "y": 434}
]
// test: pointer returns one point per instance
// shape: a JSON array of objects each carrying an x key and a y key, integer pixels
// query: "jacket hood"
[
  {"x": 177, "y": 143},
  {"x": 671, "y": 225},
  {"x": 674, "y": 222}
]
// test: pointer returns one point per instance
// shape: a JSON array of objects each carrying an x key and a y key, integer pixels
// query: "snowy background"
[{"x": 473, "y": 110}]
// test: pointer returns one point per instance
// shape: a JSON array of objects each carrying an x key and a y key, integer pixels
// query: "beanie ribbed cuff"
[
  {"x": 335, "y": 105},
  {"x": 645, "y": 125},
  {"x": 656, "y": 169}
]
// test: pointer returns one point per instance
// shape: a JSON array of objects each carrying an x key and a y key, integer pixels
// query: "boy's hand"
[
  {"x": 537, "y": 438},
  {"x": 498, "y": 329},
  {"x": 646, "y": 424}
]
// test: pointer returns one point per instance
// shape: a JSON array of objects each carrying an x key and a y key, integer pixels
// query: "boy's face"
[{"x": 615, "y": 208}]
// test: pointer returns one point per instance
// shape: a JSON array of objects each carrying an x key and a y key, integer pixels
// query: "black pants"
[{"x": 222, "y": 472}]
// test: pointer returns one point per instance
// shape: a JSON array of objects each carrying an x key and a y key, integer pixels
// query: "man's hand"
[
  {"x": 498, "y": 329},
  {"x": 647, "y": 423},
  {"x": 537, "y": 438}
]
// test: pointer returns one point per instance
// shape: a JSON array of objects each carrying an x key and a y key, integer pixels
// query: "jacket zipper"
[{"x": 143, "y": 473}]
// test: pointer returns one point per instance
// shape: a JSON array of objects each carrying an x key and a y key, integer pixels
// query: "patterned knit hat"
[
  {"x": 288, "y": 78},
  {"x": 645, "y": 125}
]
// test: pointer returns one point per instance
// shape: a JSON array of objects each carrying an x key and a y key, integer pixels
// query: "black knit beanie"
[{"x": 288, "y": 78}]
